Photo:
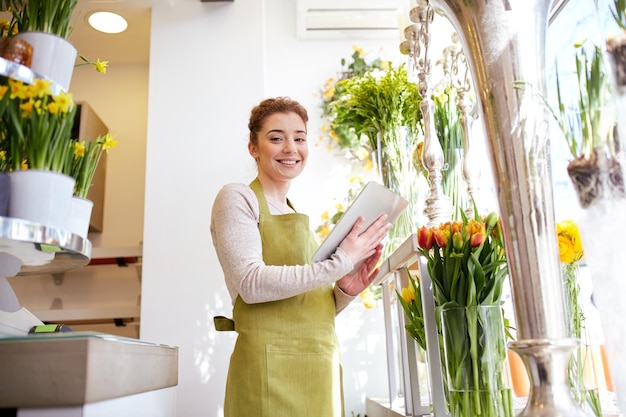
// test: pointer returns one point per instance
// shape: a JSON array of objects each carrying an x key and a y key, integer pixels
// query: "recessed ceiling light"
[{"x": 108, "y": 22}]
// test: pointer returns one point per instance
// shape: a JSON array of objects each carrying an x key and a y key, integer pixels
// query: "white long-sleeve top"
[{"x": 237, "y": 241}]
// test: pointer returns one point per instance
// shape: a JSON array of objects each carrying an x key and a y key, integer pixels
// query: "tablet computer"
[{"x": 372, "y": 201}]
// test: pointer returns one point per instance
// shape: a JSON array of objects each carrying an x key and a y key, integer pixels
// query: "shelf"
[{"x": 42, "y": 250}]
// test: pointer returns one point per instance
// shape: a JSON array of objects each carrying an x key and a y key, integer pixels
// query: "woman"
[{"x": 286, "y": 358}]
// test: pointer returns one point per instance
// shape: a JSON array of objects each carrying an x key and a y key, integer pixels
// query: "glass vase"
[
  {"x": 581, "y": 372},
  {"x": 452, "y": 181},
  {"x": 394, "y": 158},
  {"x": 475, "y": 362}
]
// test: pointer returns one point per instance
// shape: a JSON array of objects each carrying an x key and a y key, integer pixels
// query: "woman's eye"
[
  {"x": 300, "y": 139},
  {"x": 276, "y": 139}
]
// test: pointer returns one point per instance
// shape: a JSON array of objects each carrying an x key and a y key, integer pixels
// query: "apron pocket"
[{"x": 303, "y": 380}]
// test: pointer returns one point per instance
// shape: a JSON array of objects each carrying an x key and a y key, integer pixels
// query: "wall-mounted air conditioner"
[{"x": 347, "y": 19}]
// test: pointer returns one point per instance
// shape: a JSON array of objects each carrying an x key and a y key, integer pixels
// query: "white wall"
[
  {"x": 120, "y": 98},
  {"x": 209, "y": 64}
]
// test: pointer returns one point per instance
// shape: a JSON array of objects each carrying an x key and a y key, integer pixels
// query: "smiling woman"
[{"x": 265, "y": 247}]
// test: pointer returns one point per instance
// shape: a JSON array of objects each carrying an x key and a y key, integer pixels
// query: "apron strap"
[{"x": 223, "y": 324}]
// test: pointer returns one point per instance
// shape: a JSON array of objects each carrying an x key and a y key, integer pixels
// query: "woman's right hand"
[{"x": 361, "y": 244}]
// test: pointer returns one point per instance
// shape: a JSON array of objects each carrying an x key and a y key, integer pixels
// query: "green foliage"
[
  {"x": 619, "y": 13},
  {"x": 587, "y": 122},
  {"x": 379, "y": 101},
  {"x": 41, "y": 15}
]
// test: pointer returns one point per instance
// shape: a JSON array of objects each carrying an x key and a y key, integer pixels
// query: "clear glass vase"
[
  {"x": 394, "y": 158},
  {"x": 581, "y": 374},
  {"x": 475, "y": 362}
]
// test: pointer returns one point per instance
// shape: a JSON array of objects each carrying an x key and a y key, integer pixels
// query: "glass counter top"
[{"x": 61, "y": 336}]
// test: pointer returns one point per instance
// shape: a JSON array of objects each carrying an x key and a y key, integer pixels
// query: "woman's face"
[{"x": 282, "y": 148}]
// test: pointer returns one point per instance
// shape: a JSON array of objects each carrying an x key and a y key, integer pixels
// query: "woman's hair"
[{"x": 270, "y": 106}]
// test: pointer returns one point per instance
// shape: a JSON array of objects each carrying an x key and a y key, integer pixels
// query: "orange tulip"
[
  {"x": 425, "y": 238},
  {"x": 441, "y": 237}
]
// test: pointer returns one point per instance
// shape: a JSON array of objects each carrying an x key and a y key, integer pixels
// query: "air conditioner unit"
[{"x": 347, "y": 19}]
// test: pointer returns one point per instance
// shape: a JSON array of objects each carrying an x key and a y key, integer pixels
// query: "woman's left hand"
[{"x": 353, "y": 284}]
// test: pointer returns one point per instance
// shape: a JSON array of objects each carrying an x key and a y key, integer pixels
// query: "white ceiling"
[{"x": 129, "y": 47}]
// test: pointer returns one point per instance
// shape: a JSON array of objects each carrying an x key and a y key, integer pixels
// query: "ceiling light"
[{"x": 107, "y": 22}]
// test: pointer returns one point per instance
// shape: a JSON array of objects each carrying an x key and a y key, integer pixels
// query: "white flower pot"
[
  {"x": 79, "y": 217},
  {"x": 41, "y": 197},
  {"x": 54, "y": 57}
]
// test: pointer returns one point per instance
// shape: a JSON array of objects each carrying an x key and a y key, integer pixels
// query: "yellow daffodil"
[
  {"x": 40, "y": 88},
  {"x": 100, "y": 66},
  {"x": 570, "y": 243},
  {"x": 79, "y": 149},
  {"x": 108, "y": 143}
]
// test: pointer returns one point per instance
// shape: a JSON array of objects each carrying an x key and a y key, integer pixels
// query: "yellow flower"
[
  {"x": 27, "y": 108},
  {"x": 64, "y": 101},
  {"x": 325, "y": 216},
  {"x": 333, "y": 136},
  {"x": 3, "y": 90},
  {"x": 408, "y": 294},
  {"x": 108, "y": 143},
  {"x": 18, "y": 89},
  {"x": 79, "y": 149},
  {"x": 570, "y": 243},
  {"x": 358, "y": 50},
  {"x": 329, "y": 92},
  {"x": 40, "y": 88},
  {"x": 100, "y": 66}
]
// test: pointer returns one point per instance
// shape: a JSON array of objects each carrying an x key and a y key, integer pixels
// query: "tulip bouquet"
[
  {"x": 467, "y": 265},
  {"x": 466, "y": 261},
  {"x": 570, "y": 253}
]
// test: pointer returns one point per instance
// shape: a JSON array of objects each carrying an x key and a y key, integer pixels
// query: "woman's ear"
[{"x": 254, "y": 152}]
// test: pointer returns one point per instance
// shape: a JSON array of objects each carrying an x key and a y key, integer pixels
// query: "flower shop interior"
[{"x": 140, "y": 289}]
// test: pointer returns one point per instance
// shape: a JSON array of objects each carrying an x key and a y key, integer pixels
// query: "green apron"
[{"x": 286, "y": 358}]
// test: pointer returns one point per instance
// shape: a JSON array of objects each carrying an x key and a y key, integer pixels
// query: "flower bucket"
[
  {"x": 54, "y": 57},
  {"x": 41, "y": 197},
  {"x": 475, "y": 362},
  {"x": 79, "y": 217},
  {"x": 5, "y": 193}
]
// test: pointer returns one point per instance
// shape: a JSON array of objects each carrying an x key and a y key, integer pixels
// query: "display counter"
[{"x": 77, "y": 369}]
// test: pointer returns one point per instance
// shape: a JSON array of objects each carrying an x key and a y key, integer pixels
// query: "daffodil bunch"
[
  {"x": 36, "y": 124},
  {"x": 41, "y": 15},
  {"x": 466, "y": 260},
  {"x": 84, "y": 159},
  {"x": 411, "y": 301}
]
